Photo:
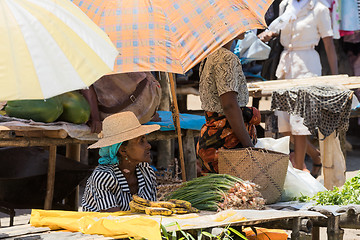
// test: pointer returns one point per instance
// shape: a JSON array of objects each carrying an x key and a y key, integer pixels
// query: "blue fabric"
[
  {"x": 249, "y": 74},
  {"x": 187, "y": 121},
  {"x": 108, "y": 154},
  {"x": 349, "y": 16}
]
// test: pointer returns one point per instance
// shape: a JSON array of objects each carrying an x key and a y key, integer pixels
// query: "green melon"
[
  {"x": 38, "y": 110},
  {"x": 76, "y": 108}
]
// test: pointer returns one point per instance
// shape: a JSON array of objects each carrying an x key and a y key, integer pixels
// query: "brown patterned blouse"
[{"x": 219, "y": 74}]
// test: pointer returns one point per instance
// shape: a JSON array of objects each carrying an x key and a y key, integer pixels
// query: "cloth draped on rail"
[
  {"x": 216, "y": 133},
  {"x": 326, "y": 108}
]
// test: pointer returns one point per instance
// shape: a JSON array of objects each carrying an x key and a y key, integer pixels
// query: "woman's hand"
[
  {"x": 267, "y": 36},
  {"x": 234, "y": 115},
  {"x": 95, "y": 125},
  {"x": 114, "y": 209}
]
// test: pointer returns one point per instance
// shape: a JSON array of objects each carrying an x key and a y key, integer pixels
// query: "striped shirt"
[{"x": 107, "y": 187}]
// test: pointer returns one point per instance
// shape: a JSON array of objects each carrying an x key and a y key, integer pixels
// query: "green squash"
[
  {"x": 76, "y": 108},
  {"x": 37, "y": 110}
]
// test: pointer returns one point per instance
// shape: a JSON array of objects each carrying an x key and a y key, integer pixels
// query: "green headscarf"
[{"x": 108, "y": 154}]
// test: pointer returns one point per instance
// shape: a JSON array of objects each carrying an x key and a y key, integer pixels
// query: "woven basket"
[{"x": 264, "y": 167}]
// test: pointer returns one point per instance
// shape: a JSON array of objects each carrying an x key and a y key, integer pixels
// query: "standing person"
[
  {"x": 224, "y": 95},
  {"x": 302, "y": 24},
  {"x": 124, "y": 168}
]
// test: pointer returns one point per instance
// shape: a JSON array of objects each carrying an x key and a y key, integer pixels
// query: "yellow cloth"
[
  {"x": 107, "y": 224},
  {"x": 126, "y": 224}
]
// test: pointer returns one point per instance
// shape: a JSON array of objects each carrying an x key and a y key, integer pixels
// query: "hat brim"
[{"x": 134, "y": 133}]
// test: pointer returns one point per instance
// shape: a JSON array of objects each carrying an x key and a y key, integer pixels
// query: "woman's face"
[{"x": 138, "y": 150}]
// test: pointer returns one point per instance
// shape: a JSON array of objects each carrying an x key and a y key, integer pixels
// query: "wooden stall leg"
[
  {"x": 190, "y": 155},
  {"x": 271, "y": 129},
  {"x": 256, "y": 102},
  {"x": 299, "y": 225},
  {"x": 12, "y": 217},
  {"x": 316, "y": 233},
  {"x": 50, "y": 178},
  {"x": 73, "y": 152},
  {"x": 295, "y": 233},
  {"x": 165, "y": 153},
  {"x": 334, "y": 231},
  {"x": 10, "y": 212},
  {"x": 268, "y": 126}
]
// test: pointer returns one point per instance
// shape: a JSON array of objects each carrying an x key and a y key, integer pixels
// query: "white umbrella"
[{"x": 49, "y": 47}]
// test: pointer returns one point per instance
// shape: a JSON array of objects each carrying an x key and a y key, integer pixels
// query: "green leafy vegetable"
[{"x": 348, "y": 194}]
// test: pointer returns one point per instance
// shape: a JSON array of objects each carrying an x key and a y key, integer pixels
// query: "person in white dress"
[{"x": 302, "y": 23}]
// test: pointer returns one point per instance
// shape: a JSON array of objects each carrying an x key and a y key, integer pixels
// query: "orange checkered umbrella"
[{"x": 171, "y": 35}]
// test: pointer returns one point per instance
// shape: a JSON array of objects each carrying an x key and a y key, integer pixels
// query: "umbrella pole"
[{"x": 176, "y": 119}]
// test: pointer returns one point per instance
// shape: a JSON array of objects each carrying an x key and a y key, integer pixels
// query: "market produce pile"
[
  {"x": 165, "y": 208},
  {"x": 242, "y": 196},
  {"x": 219, "y": 192},
  {"x": 348, "y": 194},
  {"x": 70, "y": 107}
]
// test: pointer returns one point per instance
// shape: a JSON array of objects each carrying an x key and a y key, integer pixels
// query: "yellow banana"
[
  {"x": 181, "y": 203},
  {"x": 141, "y": 201},
  {"x": 194, "y": 210},
  {"x": 180, "y": 210},
  {"x": 158, "y": 211},
  {"x": 136, "y": 207},
  {"x": 162, "y": 204}
]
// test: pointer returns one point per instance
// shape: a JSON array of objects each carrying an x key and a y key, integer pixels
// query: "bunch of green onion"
[{"x": 205, "y": 192}]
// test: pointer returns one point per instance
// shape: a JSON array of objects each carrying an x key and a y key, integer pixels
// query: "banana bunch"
[{"x": 173, "y": 206}]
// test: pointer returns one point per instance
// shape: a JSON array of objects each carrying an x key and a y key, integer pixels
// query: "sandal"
[{"x": 315, "y": 175}]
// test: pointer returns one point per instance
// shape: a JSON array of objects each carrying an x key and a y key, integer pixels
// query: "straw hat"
[{"x": 121, "y": 127}]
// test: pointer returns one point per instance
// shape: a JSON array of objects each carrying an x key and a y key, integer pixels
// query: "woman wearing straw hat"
[{"x": 123, "y": 168}]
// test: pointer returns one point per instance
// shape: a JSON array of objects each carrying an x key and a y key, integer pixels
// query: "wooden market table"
[
  {"x": 265, "y": 88},
  {"x": 298, "y": 222}
]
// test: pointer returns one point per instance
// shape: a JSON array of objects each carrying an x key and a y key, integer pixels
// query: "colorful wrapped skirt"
[{"x": 216, "y": 133}]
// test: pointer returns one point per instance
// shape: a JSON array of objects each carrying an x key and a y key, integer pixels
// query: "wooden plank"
[
  {"x": 15, "y": 231},
  {"x": 40, "y": 142},
  {"x": 50, "y": 178},
  {"x": 28, "y": 232},
  {"x": 31, "y": 142},
  {"x": 33, "y": 133},
  {"x": 7, "y": 134},
  {"x": 165, "y": 135},
  {"x": 267, "y": 87}
]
